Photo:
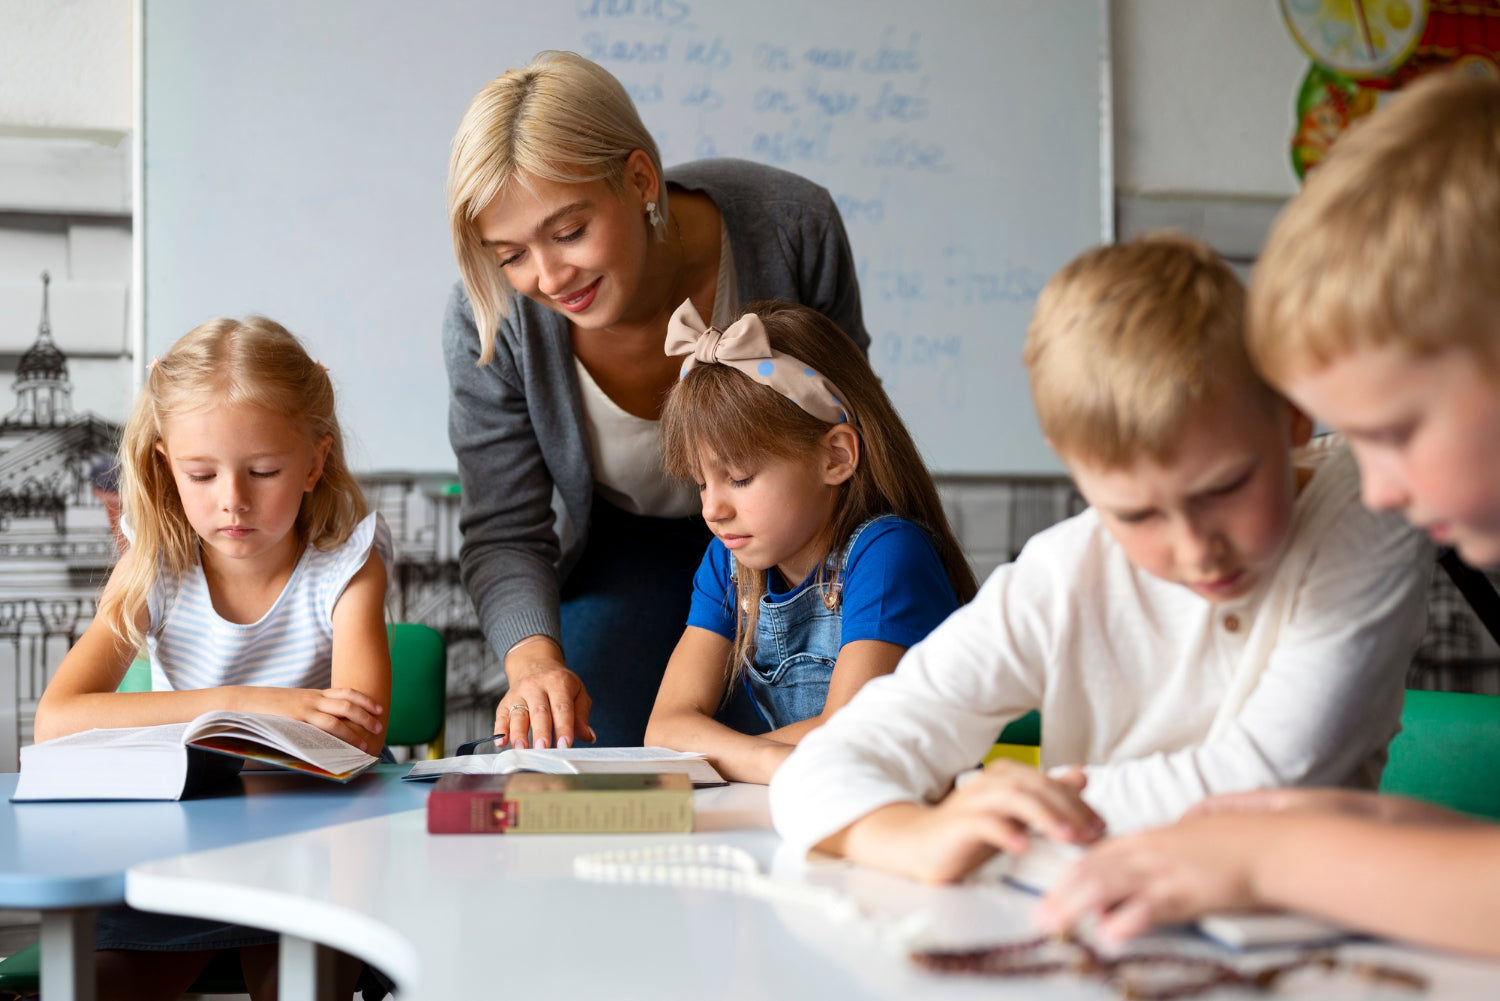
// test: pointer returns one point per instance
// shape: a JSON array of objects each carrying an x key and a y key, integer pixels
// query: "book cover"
[
  {"x": 178, "y": 759},
  {"x": 539, "y": 803}
]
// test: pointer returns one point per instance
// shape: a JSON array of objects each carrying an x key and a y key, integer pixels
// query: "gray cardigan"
[{"x": 516, "y": 424}]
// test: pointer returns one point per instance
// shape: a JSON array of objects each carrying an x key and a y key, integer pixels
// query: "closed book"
[
  {"x": 179, "y": 759},
  {"x": 535, "y": 803}
]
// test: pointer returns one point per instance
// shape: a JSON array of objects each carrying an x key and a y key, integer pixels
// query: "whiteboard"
[{"x": 295, "y": 155}]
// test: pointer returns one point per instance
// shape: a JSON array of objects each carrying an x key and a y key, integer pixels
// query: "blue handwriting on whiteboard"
[
  {"x": 602, "y": 49},
  {"x": 830, "y": 102},
  {"x": 660, "y": 11},
  {"x": 797, "y": 143},
  {"x": 893, "y": 105},
  {"x": 711, "y": 54},
  {"x": 894, "y": 58},
  {"x": 860, "y": 209},
  {"x": 772, "y": 57},
  {"x": 910, "y": 154},
  {"x": 830, "y": 59}
]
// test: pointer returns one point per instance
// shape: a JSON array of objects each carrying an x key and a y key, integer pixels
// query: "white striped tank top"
[{"x": 291, "y": 646}]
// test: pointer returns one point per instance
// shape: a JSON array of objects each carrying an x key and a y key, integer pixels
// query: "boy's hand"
[
  {"x": 1130, "y": 884},
  {"x": 350, "y": 715},
  {"x": 989, "y": 812}
]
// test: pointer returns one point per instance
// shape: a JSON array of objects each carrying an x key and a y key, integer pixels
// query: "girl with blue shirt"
[
  {"x": 831, "y": 552},
  {"x": 255, "y": 577}
]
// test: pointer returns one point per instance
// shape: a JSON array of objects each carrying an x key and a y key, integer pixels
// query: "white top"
[
  {"x": 291, "y": 646},
  {"x": 1166, "y": 697},
  {"x": 625, "y": 449}
]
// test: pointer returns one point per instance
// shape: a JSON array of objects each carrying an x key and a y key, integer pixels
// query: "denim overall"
[{"x": 797, "y": 643}]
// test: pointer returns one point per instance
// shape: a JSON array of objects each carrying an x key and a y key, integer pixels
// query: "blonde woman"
[{"x": 575, "y": 247}]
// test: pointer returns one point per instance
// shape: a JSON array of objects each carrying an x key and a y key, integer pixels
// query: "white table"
[
  {"x": 470, "y": 916},
  {"x": 67, "y": 859}
]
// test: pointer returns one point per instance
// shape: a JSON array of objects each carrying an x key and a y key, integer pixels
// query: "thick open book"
[
  {"x": 575, "y": 761},
  {"x": 178, "y": 759},
  {"x": 1041, "y": 867}
]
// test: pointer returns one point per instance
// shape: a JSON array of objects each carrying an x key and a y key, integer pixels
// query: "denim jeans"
[{"x": 624, "y": 608}]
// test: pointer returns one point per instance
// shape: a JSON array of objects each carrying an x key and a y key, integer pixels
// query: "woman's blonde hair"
[
  {"x": 721, "y": 411},
  {"x": 561, "y": 118},
  {"x": 1127, "y": 340},
  {"x": 251, "y": 362}
]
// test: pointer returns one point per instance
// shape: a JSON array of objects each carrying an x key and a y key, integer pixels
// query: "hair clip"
[
  {"x": 151, "y": 365},
  {"x": 320, "y": 364}
]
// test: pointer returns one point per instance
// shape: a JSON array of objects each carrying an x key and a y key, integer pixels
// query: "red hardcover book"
[{"x": 534, "y": 803}]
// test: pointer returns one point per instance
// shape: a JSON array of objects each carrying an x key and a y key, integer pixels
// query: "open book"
[
  {"x": 575, "y": 761},
  {"x": 178, "y": 759},
  {"x": 1040, "y": 868}
]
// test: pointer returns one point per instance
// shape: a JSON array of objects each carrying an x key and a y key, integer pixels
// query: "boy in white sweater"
[
  {"x": 1375, "y": 305},
  {"x": 1224, "y": 617}
]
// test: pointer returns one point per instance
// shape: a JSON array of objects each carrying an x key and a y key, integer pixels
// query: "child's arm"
[
  {"x": 683, "y": 717},
  {"x": 693, "y": 688},
  {"x": 897, "y": 746},
  {"x": 989, "y": 813},
  {"x": 83, "y": 693},
  {"x": 1407, "y": 880}
]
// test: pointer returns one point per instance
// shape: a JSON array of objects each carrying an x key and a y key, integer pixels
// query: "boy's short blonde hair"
[
  {"x": 1128, "y": 340},
  {"x": 1394, "y": 240}
]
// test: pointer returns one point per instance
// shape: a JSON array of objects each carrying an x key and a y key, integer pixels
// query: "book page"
[
  {"x": 165, "y": 735},
  {"x": 276, "y": 740},
  {"x": 574, "y": 760}
]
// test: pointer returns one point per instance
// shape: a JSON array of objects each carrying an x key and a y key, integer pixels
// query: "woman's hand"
[
  {"x": 547, "y": 704},
  {"x": 990, "y": 812},
  {"x": 350, "y": 715}
]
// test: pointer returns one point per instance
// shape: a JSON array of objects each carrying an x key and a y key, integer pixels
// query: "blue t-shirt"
[{"x": 895, "y": 588}]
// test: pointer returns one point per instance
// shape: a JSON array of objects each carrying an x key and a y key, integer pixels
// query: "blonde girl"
[
  {"x": 256, "y": 580},
  {"x": 831, "y": 552}
]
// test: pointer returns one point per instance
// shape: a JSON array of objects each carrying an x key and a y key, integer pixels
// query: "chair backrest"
[
  {"x": 1448, "y": 751},
  {"x": 419, "y": 686}
]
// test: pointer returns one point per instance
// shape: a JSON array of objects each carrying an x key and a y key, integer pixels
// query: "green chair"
[
  {"x": 419, "y": 689},
  {"x": 1448, "y": 752}
]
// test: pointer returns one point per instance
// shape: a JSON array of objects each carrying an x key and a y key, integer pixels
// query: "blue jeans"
[{"x": 624, "y": 608}]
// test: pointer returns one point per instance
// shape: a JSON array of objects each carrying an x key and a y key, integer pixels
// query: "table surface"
[
  {"x": 74, "y": 855},
  {"x": 452, "y": 916}
]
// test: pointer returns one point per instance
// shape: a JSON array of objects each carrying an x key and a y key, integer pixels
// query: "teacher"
[{"x": 575, "y": 246}]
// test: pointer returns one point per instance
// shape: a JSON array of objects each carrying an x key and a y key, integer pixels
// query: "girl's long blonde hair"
[
  {"x": 224, "y": 362},
  {"x": 724, "y": 412}
]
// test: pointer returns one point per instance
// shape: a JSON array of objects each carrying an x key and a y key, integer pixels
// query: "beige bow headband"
[{"x": 745, "y": 347}]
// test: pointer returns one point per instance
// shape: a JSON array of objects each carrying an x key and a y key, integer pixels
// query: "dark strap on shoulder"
[{"x": 1476, "y": 589}]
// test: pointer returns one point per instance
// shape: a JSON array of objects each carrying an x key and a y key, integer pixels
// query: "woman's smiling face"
[{"x": 580, "y": 249}]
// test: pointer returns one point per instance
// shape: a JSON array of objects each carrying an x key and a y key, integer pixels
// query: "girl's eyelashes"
[
  {"x": 742, "y": 482},
  {"x": 571, "y": 235},
  {"x": 264, "y": 474},
  {"x": 506, "y": 260}
]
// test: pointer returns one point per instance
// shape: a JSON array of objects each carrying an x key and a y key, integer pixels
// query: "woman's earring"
[{"x": 653, "y": 216}]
